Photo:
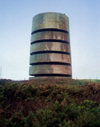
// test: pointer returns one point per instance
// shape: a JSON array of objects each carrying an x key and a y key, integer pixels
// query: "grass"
[{"x": 50, "y": 103}]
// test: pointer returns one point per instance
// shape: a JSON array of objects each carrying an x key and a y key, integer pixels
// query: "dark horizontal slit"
[
  {"x": 49, "y": 29},
  {"x": 49, "y": 40},
  {"x": 64, "y": 75},
  {"x": 42, "y": 52},
  {"x": 49, "y": 63}
]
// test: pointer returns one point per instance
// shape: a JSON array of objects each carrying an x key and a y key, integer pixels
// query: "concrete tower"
[{"x": 50, "y": 54}]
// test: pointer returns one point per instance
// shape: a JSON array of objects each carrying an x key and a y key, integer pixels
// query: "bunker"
[{"x": 50, "y": 54}]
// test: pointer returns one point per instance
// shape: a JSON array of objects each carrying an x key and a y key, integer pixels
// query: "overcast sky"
[{"x": 15, "y": 33}]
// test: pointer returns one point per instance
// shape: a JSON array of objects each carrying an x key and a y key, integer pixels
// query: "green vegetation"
[{"x": 50, "y": 103}]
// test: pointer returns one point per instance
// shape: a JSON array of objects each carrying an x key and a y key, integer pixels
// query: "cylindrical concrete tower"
[{"x": 50, "y": 46}]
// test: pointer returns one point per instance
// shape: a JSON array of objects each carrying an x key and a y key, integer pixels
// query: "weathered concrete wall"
[
  {"x": 50, "y": 20},
  {"x": 50, "y": 57},
  {"x": 50, "y": 69},
  {"x": 50, "y": 46},
  {"x": 50, "y": 35}
]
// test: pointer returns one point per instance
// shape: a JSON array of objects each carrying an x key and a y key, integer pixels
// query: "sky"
[{"x": 15, "y": 34}]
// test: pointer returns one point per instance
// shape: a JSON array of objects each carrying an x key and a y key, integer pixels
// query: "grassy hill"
[{"x": 50, "y": 103}]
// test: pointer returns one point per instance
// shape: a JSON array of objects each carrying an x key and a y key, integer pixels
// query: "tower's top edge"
[{"x": 51, "y": 13}]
